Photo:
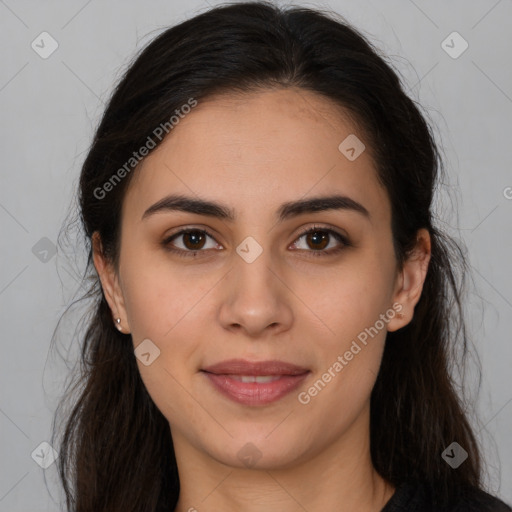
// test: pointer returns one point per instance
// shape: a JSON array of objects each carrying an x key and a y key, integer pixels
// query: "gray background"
[{"x": 51, "y": 106}]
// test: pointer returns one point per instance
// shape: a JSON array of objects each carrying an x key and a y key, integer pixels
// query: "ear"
[
  {"x": 110, "y": 284},
  {"x": 410, "y": 280}
]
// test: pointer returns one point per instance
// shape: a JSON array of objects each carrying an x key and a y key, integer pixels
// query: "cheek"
[
  {"x": 354, "y": 297},
  {"x": 164, "y": 308},
  {"x": 169, "y": 308},
  {"x": 351, "y": 306},
  {"x": 160, "y": 297}
]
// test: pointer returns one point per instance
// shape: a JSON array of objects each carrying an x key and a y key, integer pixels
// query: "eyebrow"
[{"x": 286, "y": 210}]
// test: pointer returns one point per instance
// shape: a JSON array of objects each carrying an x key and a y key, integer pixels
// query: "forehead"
[{"x": 264, "y": 148}]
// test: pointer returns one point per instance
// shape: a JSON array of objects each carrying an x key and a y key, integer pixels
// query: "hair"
[{"x": 116, "y": 452}]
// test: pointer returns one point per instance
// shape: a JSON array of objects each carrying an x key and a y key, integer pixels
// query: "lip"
[
  {"x": 223, "y": 376},
  {"x": 244, "y": 367}
]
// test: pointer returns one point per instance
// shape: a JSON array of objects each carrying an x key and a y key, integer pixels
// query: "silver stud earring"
[{"x": 118, "y": 320}]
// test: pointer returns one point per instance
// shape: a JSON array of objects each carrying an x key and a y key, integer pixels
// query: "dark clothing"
[{"x": 420, "y": 498}]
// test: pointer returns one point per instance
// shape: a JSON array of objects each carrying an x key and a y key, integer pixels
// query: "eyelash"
[{"x": 322, "y": 253}]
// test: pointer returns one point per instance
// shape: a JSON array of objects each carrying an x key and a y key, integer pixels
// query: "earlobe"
[
  {"x": 411, "y": 280},
  {"x": 110, "y": 284}
]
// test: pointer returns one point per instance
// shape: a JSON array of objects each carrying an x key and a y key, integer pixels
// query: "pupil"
[
  {"x": 314, "y": 236},
  {"x": 194, "y": 236}
]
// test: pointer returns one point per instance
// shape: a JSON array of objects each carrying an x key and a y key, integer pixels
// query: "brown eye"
[
  {"x": 318, "y": 239},
  {"x": 194, "y": 240}
]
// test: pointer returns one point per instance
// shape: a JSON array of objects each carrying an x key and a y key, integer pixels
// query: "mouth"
[{"x": 255, "y": 383}]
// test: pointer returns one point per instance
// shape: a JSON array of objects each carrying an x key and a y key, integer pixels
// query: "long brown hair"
[{"x": 116, "y": 451}]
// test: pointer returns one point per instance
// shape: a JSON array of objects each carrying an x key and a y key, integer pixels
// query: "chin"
[{"x": 257, "y": 453}]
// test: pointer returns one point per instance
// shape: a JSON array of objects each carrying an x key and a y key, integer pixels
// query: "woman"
[{"x": 274, "y": 305}]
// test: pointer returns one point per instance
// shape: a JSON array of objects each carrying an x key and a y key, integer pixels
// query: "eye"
[
  {"x": 194, "y": 240},
  {"x": 320, "y": 237}
]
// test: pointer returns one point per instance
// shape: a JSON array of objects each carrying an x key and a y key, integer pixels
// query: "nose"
[{"x": 257, "y": 298}]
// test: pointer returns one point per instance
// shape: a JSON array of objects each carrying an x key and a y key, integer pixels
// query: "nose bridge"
[
  {"x": 254, "y": 270},
  {"x": 257, "y": 297}
]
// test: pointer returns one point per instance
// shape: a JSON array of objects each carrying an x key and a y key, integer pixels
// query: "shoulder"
[
  {"x": 477, "y": 500},
  {"x": 420, "y": 497}
]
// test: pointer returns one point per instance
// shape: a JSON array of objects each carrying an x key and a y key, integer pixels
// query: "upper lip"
[{"x": 244, "y": 367}]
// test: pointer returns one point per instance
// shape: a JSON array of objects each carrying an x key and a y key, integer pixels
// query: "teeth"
[{"x": 261, "y": 379}]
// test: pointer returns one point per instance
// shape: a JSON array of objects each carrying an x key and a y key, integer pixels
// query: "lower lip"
[{"x": 255, "y": 393}]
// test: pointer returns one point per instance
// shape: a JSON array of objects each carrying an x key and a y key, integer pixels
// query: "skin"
[{"x": 253, "y": 153}]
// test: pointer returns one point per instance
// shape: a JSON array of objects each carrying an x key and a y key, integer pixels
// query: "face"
[{"x": 254, "y": 286}]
